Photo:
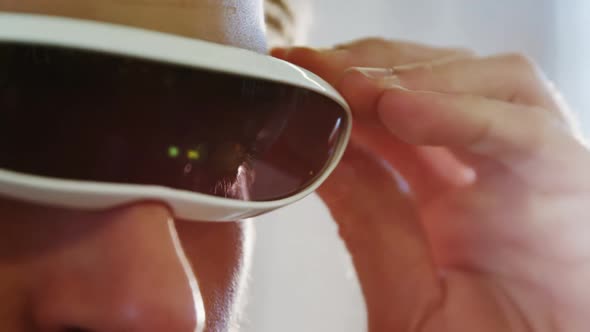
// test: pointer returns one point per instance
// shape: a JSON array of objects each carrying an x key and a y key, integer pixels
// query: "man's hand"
[{"x": 489, "y": 230}]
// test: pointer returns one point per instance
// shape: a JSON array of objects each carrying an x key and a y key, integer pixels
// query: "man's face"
[{"x": 133, "y": 268}]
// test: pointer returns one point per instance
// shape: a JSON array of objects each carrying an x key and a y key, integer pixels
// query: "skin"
[
  {"x": 488, "y": 231},
  {"x": 132, "y": 268}
]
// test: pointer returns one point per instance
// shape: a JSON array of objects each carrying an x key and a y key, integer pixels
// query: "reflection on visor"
[{"x": 88, "y": 116}]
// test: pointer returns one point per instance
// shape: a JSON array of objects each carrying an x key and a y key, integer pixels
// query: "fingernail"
[{"x": 384, "y": 77}]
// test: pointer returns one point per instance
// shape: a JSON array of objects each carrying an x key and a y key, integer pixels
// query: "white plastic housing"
[{"x": 122, "y": 40}]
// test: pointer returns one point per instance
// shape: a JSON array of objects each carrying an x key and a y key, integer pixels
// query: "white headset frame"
[{"x": 128, "y": 41}]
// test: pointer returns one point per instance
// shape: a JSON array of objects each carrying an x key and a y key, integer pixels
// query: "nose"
[{"x": 122, "y": 270}]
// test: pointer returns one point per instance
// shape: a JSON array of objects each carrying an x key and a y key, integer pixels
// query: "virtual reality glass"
[{"x": 95, "y": 115}]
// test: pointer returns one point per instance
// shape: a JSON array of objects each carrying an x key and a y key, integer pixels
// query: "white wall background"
[{"x": 302, "y": 279}]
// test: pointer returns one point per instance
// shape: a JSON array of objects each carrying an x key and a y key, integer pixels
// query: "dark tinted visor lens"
[{"x": 89, "y": 116}]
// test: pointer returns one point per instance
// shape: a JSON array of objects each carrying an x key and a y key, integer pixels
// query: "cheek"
[{"x": 220, "y": 256}]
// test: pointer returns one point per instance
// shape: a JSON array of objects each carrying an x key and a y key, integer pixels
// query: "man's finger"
[
  {"x": 510, "y": 78},
  {"x": 428, "y": 170},
  {"x": 384, "y": 52},
  {"x": 332, "y": 63},
  {"x": 526, "y": 140},
  {"x": 382, "y": 232}
]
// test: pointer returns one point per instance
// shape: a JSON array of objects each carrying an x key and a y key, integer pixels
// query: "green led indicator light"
[
  {"x": 193, "y": 154},
  {"x": 173, "y": 152}
]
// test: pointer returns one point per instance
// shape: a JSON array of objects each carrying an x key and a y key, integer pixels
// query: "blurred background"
[{"x": 303, "y": 279}]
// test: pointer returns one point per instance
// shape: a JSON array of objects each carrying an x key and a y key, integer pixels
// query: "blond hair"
[{"x": 286, "y": 23}]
